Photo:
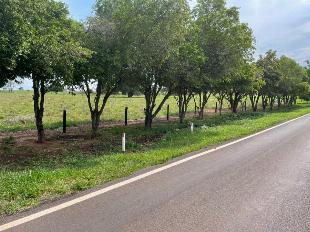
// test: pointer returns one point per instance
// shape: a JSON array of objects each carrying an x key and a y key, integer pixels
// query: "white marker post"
[
  {"x": 192, "y": 127},
  {"x": 124, "y": 142}
]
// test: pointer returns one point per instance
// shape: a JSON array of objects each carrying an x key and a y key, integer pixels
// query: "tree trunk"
[
  {"x": 38, "y": 103},
  {"x": 40, "y": 128},
  {"x": 235, "y": 107},
  {"x": 96, "y": 109},
  {"x": 151, "y": 93},
  {"x": 286, "y": 101},
  {"x": 264, "y": 103},
  {"x": 201, "y": 106},
  {"x": 292, "y": 101},
  {"x": 95, "y": 122},
  {"x": 221, "y": 107},
  {"x": 220, "y": 99},
  {"x": 279, "y": 102},
  {"x": 181, "y": 103},
  {"x": 254, "y": 102},
  {"x": 203, "y": 100},
  {"x": 271, "y": 103},
  {"x": 148, "y": 119},
  {"x": 182, "y": 117},
  {"x": 234, "y": 99}
]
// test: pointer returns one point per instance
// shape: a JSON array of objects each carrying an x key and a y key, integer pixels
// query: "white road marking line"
[{"x": 129, "y": 181}]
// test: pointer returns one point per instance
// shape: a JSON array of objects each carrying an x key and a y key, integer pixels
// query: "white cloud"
[{"x": 282, "y": 25}]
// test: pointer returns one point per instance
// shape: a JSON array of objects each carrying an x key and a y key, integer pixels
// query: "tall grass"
[{"x": 16, "y": 109}]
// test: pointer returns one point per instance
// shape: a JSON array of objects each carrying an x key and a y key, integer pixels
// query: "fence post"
[
  {"x": 168, "y": 112},
  {"x": 126, "y": 116},
  {"x": 64, "y": 122},
  {"x": 124, "y": 143}
]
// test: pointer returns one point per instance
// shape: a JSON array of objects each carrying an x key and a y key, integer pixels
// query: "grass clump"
[{"x": 8, "y": 145}]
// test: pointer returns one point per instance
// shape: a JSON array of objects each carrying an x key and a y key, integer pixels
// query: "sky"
[{"x": 281, "y": 25}]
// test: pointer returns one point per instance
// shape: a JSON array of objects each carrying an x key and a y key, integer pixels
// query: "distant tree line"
[{"x": 160, "y": 47}]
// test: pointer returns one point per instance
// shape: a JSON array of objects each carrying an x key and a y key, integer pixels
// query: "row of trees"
[{"x": 153, "y": 47}]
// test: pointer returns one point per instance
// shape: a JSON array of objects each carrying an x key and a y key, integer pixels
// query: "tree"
[
  {"x": 187, "y": 66},
  {"x": 14, "y": 38},
  {"x": 52, "y": 50},
  {"x": 219, "y": 92},
  {"x": 269, "y": 63},
  {"x": 304, "y": 91},
  {"x": 105, "y": 69},
  {"x": 307, "y": 77},
  {"x": 239, "y": 84},
  {"x": 212, "y": 20},
  {"x": 258, "y": 84},
  {"x": 227, "y": 44},
  {"x": 291, "y": 83},
  {"x": 155, "y": 30}
]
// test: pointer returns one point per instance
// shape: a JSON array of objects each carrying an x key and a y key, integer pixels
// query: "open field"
[
  {"x": 45, "y": 175},
  {"x": 16, "y": 109}
]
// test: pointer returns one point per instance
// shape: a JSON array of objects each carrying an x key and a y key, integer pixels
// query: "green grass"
[
  {"x": 31, "y": 181},
  {"x": 16, "y": 109}
]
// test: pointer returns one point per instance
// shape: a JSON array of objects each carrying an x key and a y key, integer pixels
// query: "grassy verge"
[{"x": 34, "y": 180}]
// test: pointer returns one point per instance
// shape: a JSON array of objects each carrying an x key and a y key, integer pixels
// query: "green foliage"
[
  {"x": 104, "y": 70},
  {"x": 150, "y": 47},
  {"x": 271, "y": 73},
  {"x": 291, "y": 84},
  {"x": 14, "y": 38},
  {"x": 53, "y": 46},
  {"x": 186, "y": 69},
  {"x": 154, "y": 32},
  {"x": 228, "y": 45},
  {"x": 49, "y": 48}
]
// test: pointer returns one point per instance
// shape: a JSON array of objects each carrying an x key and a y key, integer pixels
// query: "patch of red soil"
[{"x": 76, "y": 138}]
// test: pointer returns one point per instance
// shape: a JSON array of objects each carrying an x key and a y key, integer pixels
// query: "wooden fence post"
[
  {"x": 126, "y": 116},
  {"x": 64, "y": 122},
  {"x": 168, "y": 113}
]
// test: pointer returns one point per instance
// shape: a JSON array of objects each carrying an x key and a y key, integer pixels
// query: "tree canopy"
[
  {"x": 48, "y": 49},
  {"x": 154, "y": 47}
]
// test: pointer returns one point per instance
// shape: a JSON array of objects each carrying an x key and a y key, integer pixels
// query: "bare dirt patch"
[{"x": 77, "y": 138}]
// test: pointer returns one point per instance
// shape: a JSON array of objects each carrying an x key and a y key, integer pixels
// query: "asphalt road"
[{"x": 260, "y": 184}]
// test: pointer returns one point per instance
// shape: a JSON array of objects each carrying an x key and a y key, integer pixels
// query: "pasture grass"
[
  {"x": 29, "y": 182},
  {"x": 16, "y": 109}
]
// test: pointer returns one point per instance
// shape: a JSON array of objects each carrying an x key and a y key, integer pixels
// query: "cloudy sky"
[{"x": 281, "y": 25}]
